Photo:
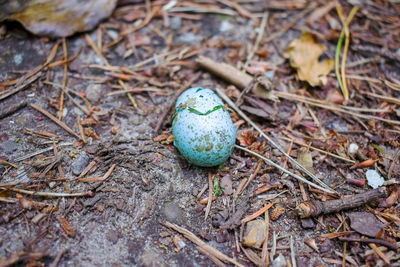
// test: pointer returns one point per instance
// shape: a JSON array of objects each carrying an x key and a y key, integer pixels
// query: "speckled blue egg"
[{"x": 203, "y": 130}]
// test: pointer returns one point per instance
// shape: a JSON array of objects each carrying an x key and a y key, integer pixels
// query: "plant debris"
[
  {"x": 304, "y": 54},
  {"x": 88, "y": 166}
]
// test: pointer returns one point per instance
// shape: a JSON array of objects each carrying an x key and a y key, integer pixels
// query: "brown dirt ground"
[{"x": 152, "y": 183}]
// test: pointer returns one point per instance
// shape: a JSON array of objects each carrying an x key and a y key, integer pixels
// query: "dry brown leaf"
[
  {"x": 57, "y": 18},
  {"x": 303, "y": 54}
]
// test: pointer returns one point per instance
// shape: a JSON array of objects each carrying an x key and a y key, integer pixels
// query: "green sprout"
[{"x": 216, "y": 185}]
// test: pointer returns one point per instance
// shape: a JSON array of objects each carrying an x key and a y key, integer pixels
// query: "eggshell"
[{"x": 203, "y": 130}]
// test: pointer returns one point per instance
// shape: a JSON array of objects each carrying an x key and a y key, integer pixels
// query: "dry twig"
[
  {"x": 371, "y": 240},
  {"x": 210, "y": 195},
  {"x": 314, "y": 208},
  {"x": 57, "y": 121},
  {"x": 48, "y": 194},
  {"x": 270, "y": 162},
  {"x": 192, "y": 237},
  {"x": 293, "y": 161}
]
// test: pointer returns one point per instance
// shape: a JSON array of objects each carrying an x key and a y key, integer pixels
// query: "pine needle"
[{"x": 345, "y": 32}]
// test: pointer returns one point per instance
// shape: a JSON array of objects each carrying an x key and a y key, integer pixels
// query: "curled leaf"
[
  {"x": 57, "y": 18},
  {"x": 303, "y": 54}
]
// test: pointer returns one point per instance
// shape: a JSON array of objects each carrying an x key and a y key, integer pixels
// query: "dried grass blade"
[{"x": 244, "y": 116}]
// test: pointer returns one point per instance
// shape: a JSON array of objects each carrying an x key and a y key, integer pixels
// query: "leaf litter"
[
  {"x": 153, "y": 50},
  {"x": 303, "y": 54}
]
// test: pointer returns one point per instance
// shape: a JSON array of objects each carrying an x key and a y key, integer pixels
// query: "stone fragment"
[
  {"x": 79, "y": 163},
  {"x": 254, "y": 234},
  {"x": 307, "y": 223},
  {"x": 279, "y": 261},
  {"x": 365, "y": 223},
  {"x": 374, "y": 179}
]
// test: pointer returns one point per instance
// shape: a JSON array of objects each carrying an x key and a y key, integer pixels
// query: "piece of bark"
[
  {"x": 365, "y": 223},
  {"x": 236, "y": 77},
  {"x": 314, "y": 208},
  {"x": 225, "y": 71}
]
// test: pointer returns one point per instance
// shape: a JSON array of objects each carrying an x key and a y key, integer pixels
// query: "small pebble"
[
  {"x": 93, "y": 92},
  {"x": 374, "y": 179},
  {"x": 307, "y": 223},
  {"x": 279, "y": 261},
  {"x": 175, "y": 23},
  {"x": 255, "y": 233},
  {"x": 79, "y": 163},
  {"x": 353, "y": 147}
]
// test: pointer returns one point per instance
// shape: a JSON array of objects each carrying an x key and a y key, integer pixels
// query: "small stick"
[
  {"x": 105, "y": 176},
  {"x": 334, "y": 108},
  {"x": 12, "y": 109},
  {"x": 57, "y": 258},
  {"x": 273, "y": 249},
  {"x": 270, "y": 162},
  {"x": 48, "y": 194},
  {"x": 201, "y": 191},
  {"x": 212, "y": 258},
  {"x": 379, "y": 253},
  {"x": 252, "y": 256},
  {"x": 393, "y": 164},
  {"x": 248, "y": 88},
  {"x": 210, "y": 195},
  {"x": 8, "y": 93},
  {"x": 89, "y": 166},
  {"x": 317, "y": 149},
  {"x": 344, "y": 248},
  {"x": 59, "y": 168},
  {"x": 261, "y": 31},
  {"x": 257, "y": 213},
  {"x": 254, "y": 174},
  {"x": 242, "y": 11},
  {"x": 264, "y": 253},
  {"x": 64, "y": 83},
  {"x": 32, "y": 76},
  {"x": 377, "y": 51},
  {"x": 100, "y": 55},
  {"x": 383, "y": 97},
  {"x": 57, "y": 121},
  {"x": 78, "y": 118},
  {"x": 8, "y": 200},
  {"x": 370, "y": 240},
  {"x": 293, "y": 161},
  {"x": 291, "y": 23},
  {"x": 292, "y": 254},
  {"x": 65, "y": 90},
  {"x": 225, "y": 71},
  {"x": 172, "y": 103},
  {"x": 192, "y": 237},
  {"x": 314, "y": 208},
  {"x": 239, "y": 188},
  {"x": 40, "y": 152},
  {"x": 5, "y": 162}
]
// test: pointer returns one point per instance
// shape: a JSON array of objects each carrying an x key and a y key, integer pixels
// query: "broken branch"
[
  {"x": 314, "y": 208},
  {"x": 192, "y": 237}
]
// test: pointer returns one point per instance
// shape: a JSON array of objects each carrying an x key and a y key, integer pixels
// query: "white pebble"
[
  {"x": 353, "y": 147},
  {"x": 374, "y": 179}
]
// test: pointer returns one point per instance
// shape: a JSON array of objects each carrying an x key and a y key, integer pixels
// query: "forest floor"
[{"x": 89, "y": 175}]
